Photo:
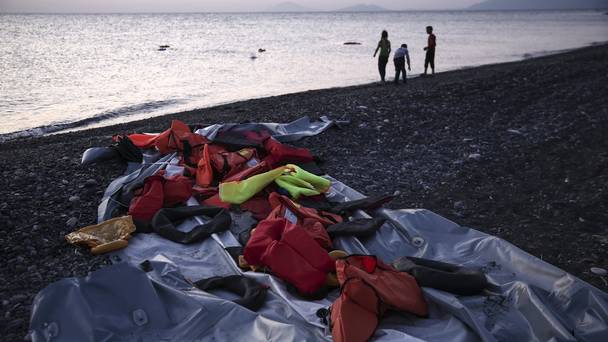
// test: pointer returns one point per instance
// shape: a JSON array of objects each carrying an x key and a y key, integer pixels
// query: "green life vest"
[{"x": 293, "y": 179}]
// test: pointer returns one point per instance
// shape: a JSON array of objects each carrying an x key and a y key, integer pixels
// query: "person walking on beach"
[
  {"x": 430, "y": 50},
  {"x": 399, "y": 58},
  {"x": 384, "y": 45}
]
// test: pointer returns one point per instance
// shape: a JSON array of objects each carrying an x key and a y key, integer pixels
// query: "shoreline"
[
  {"x": 516, "y": 150},
  {"x": 48, "y": 129}
]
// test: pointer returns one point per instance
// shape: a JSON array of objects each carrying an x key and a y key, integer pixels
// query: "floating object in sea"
[{"x": 352, "y": 43}]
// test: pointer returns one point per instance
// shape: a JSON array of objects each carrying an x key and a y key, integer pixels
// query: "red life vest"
[
  {"x": 313, "y": 221},
  {"x": 176, "y": 190},
  {"x": 368, "y": 288},
  {"x": 247, "y": 172},
  {"x": 290, "y": 253},
  {"x": 282, "y": 202},
  {"x": 159, "y": 192},
  {"x": 171, "y": 140},
  {"x": 281, "y": 154},
  {"x": 144, "y": 206},
  {"x": 258, "y": 205},
  {"x": 229, "y": 163},
  {"x": 204, "y": 172}
]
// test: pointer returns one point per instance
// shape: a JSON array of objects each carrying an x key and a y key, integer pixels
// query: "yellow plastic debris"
[
  {"x": 104, "y": 237},
  {"x": 292, "y": 178}
]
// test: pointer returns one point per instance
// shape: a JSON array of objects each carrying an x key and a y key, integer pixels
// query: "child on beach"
[
  {"x": 430, "y": 50},
  {"x": 384, "y": 45},
  {"x": 401, "y": 55}
]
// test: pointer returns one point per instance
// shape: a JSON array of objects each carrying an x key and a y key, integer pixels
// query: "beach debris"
[
  {"x": 253, "y": 56},
  {"x": 163, "y": 47},
  {"x": 352, "y": 43},
  {"x": 599, "y": 271},
  {"x": 104, "y": 237},
  {"x": 260, "y": 50}
]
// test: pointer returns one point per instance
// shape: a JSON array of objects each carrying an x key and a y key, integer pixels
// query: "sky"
[{"x": 211, "y": 5}]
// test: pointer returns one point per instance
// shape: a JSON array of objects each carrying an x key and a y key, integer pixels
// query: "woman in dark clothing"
[{"x": 384, "y": 45}]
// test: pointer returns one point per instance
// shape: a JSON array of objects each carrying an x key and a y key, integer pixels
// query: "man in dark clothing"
[
  {"x": 430, "y": 50},
  {"x": 401, "y": 55}
]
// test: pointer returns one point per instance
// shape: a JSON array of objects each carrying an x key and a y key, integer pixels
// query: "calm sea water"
[{"x": 85, "y": 70}]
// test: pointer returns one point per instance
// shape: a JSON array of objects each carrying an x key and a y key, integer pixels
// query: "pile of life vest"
[{"x": 250, "y": 171}]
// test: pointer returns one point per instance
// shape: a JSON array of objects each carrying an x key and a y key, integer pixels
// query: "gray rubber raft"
[{"x": 529, "y": 299}]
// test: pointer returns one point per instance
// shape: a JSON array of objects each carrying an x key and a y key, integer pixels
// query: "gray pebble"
[
  {"x": 514, "y": 131},
  {"x": 474, "y": 156},
  {"x": 74, "y": 199},
  {"x": 71, "y": 223},
  {"x": 599, "y": 271},
  {"x": 18, "y": 298},
  {"x": 459, "y": 205},
  {"x": 16, "y": 323},
  {"x": 90, "y": 183}
]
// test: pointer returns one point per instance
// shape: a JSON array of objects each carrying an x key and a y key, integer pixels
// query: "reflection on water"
[{"x": 66, "y": 68}]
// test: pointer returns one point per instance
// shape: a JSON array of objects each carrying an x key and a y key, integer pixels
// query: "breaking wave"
[{"x": 110, "y": 114}]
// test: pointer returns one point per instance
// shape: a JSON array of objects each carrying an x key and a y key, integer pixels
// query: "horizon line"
[{"x": 292, "y": 12}]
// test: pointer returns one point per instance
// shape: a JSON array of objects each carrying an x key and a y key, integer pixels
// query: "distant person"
[
  {"x": 384, "y": 45},
  {"x": 399, "y": 58},
  {"x": 430, "y": 50}
]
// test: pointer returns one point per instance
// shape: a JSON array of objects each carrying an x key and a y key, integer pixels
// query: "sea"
[{"x": 66, "y": 72}]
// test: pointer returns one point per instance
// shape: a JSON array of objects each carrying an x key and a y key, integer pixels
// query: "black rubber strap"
[{"x": 251, "y": 292}]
